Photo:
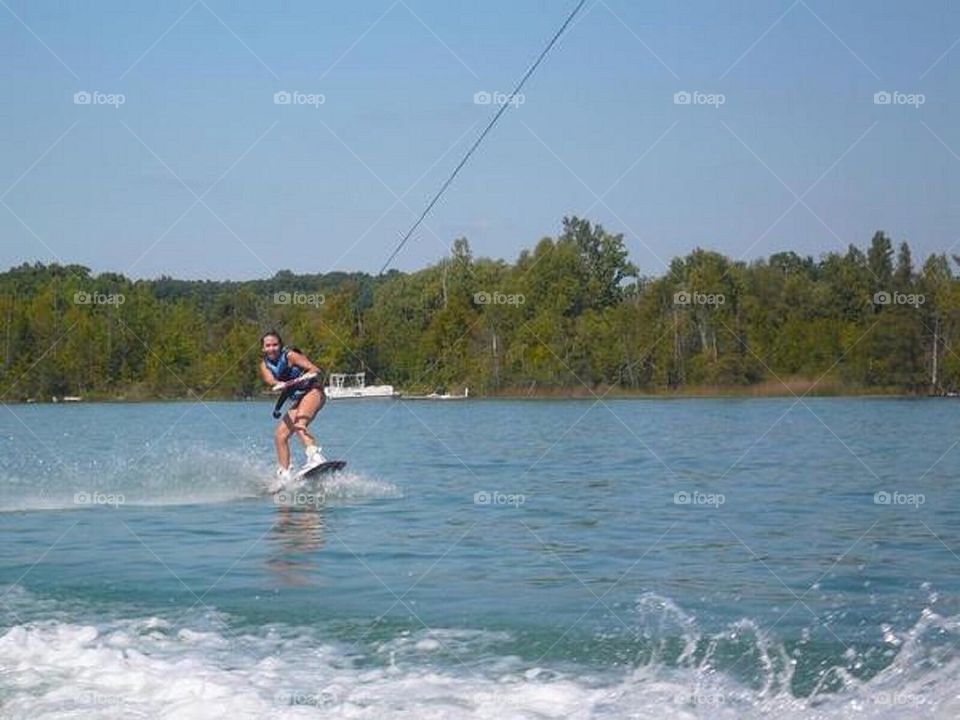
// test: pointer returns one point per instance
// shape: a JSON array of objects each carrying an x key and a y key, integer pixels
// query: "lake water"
[{"x": 484, "y": 559}]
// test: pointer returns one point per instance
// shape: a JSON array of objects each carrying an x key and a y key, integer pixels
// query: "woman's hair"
[{"x": 271, "y": 333}]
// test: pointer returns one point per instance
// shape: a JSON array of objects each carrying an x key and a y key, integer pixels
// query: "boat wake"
[
  {"x": 71, "y": 663},
  {"x": 190, "y": 477}
]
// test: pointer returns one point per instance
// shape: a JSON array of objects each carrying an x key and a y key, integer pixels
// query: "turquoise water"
[{"x": 540, "y": 559}]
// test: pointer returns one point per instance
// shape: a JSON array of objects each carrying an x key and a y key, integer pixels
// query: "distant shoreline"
[
  {"x": 772, "y": 388},
  {"x": 571, "y": 317},
  {"x": 793, "y": 389}
]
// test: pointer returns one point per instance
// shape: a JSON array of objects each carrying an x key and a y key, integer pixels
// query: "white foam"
[
  {"x": 175, "y": 476},
  {"x": 351, "y": 485},
  {"x": 186, "y": 476},
  {"x": 143, "y": 668}
]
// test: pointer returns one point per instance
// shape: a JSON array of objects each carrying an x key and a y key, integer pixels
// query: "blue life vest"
[{"x": 282, "y": 369}]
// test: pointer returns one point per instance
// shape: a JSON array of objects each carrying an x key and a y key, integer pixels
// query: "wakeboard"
[
  {"x": 305, "y": 475},
  {"x": 309, "y": 472}
]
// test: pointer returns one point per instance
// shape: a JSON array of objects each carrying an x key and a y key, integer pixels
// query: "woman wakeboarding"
[{"x": 282, "y": 368}]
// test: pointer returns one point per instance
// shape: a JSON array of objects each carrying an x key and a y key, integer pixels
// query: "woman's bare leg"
[
  {"x": 281, "y": 440},
  {"x": 302, "y": 415}
]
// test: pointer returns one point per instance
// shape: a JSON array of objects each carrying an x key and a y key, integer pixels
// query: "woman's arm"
[
  {"x": 301, "y": 361},
  {"x": 266, "y": 375}
]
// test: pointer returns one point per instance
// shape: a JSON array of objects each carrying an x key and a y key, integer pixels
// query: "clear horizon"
[{"x": 792, "y": 126}]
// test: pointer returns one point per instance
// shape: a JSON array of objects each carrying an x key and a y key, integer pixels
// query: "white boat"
[{"x": 354, "y": 385}]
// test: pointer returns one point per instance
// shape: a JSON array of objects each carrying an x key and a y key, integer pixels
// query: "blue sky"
[{"x": 200, "y": 174}]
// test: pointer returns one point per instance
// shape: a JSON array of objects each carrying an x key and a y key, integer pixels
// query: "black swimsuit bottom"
[{"x": 300, "y": 393}]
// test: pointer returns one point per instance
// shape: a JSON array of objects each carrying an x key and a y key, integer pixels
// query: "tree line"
[{"x": 571, "y": 314}]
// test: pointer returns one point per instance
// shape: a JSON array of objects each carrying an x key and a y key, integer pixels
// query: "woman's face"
[{"x": 271, "y": 347}]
